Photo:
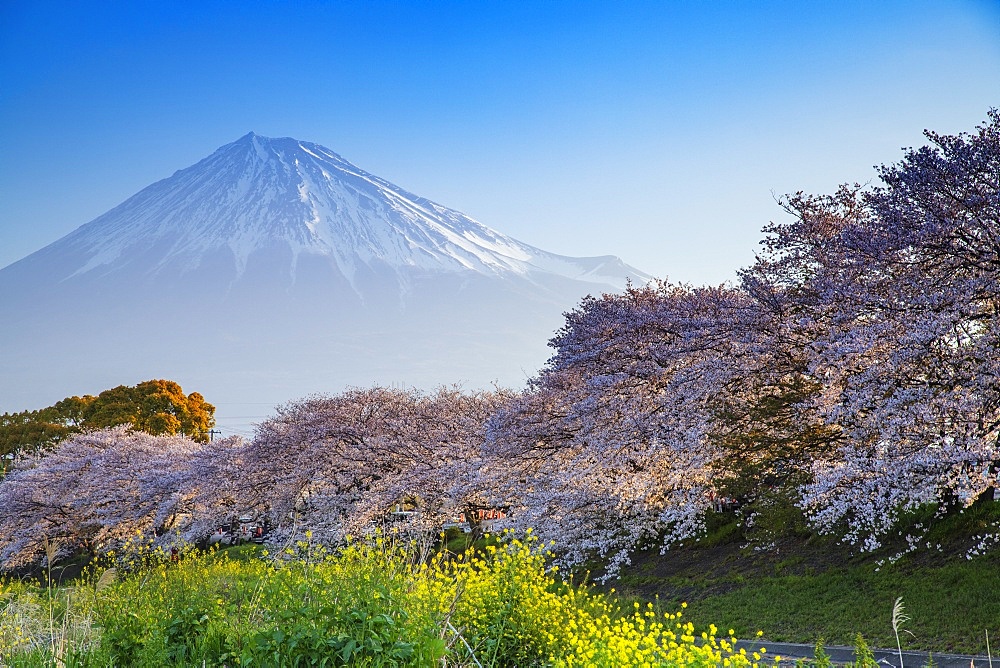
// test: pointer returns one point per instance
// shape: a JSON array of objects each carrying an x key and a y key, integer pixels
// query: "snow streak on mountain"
[
  {"x": 258, "y": 193},
  {"x": 277, "y": 260}
]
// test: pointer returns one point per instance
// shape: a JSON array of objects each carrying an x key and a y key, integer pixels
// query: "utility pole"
[{"x": 212, "y": 433}]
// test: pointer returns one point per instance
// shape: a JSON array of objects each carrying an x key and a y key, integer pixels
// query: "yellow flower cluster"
[
  {"x": 507, "y": 592},
  {"x": 497, "y": 606}
]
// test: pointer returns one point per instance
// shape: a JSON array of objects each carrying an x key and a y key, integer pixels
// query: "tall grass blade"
[
  {"x": 899, "y": 617},
  {"x": 107, "y": 578}
]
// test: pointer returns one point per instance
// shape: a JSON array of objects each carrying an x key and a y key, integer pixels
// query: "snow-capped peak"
[{"x": 260, "y": 194}]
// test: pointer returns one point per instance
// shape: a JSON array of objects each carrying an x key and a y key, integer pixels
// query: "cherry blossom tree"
[
  {"x": 900, "y": 282},
  {"x": 853, "y": 371},
  {"x": 338, "y": 464},
  {"x": 331, "y": 465},
  {"x": 626, "y": 436},
  {"x": 98, "y": 490}
]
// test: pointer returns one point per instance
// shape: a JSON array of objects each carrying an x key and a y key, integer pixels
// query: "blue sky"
[{"x": 660, "y": 132}]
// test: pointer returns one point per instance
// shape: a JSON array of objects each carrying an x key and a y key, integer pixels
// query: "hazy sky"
[{"x": 660, "y": 132}]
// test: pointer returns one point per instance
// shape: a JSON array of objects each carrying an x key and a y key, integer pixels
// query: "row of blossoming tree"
[{"x": 851, "y": 374}]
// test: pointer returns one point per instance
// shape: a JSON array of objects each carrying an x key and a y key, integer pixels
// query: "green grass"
[
  {"x": 949, "y": 606},
  {"x": 810, "y": 587}
]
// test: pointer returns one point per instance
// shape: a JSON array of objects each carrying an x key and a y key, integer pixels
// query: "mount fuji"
[{"x": 275, "y": 268}]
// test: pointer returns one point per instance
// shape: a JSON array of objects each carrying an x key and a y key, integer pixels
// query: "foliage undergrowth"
[{"x": 373, "y": 603}]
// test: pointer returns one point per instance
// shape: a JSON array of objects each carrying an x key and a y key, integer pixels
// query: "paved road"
[{"x": 790, "y": 652}]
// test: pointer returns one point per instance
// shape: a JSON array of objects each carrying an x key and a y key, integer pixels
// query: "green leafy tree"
[
  {"x": 767, "y": 439},
  {"x": 73, "y": 410},
  {"x": 154, "y": 406},
  {"x": 29, "y": 432}
]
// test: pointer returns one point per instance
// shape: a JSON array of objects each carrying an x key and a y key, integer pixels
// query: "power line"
[{"x": 246, "y": 416}]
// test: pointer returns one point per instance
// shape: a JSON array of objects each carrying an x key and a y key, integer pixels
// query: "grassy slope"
[{"x": 809, "y": 587}]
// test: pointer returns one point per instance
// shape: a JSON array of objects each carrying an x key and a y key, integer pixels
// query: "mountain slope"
[{"x": 275, "y": 266}]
